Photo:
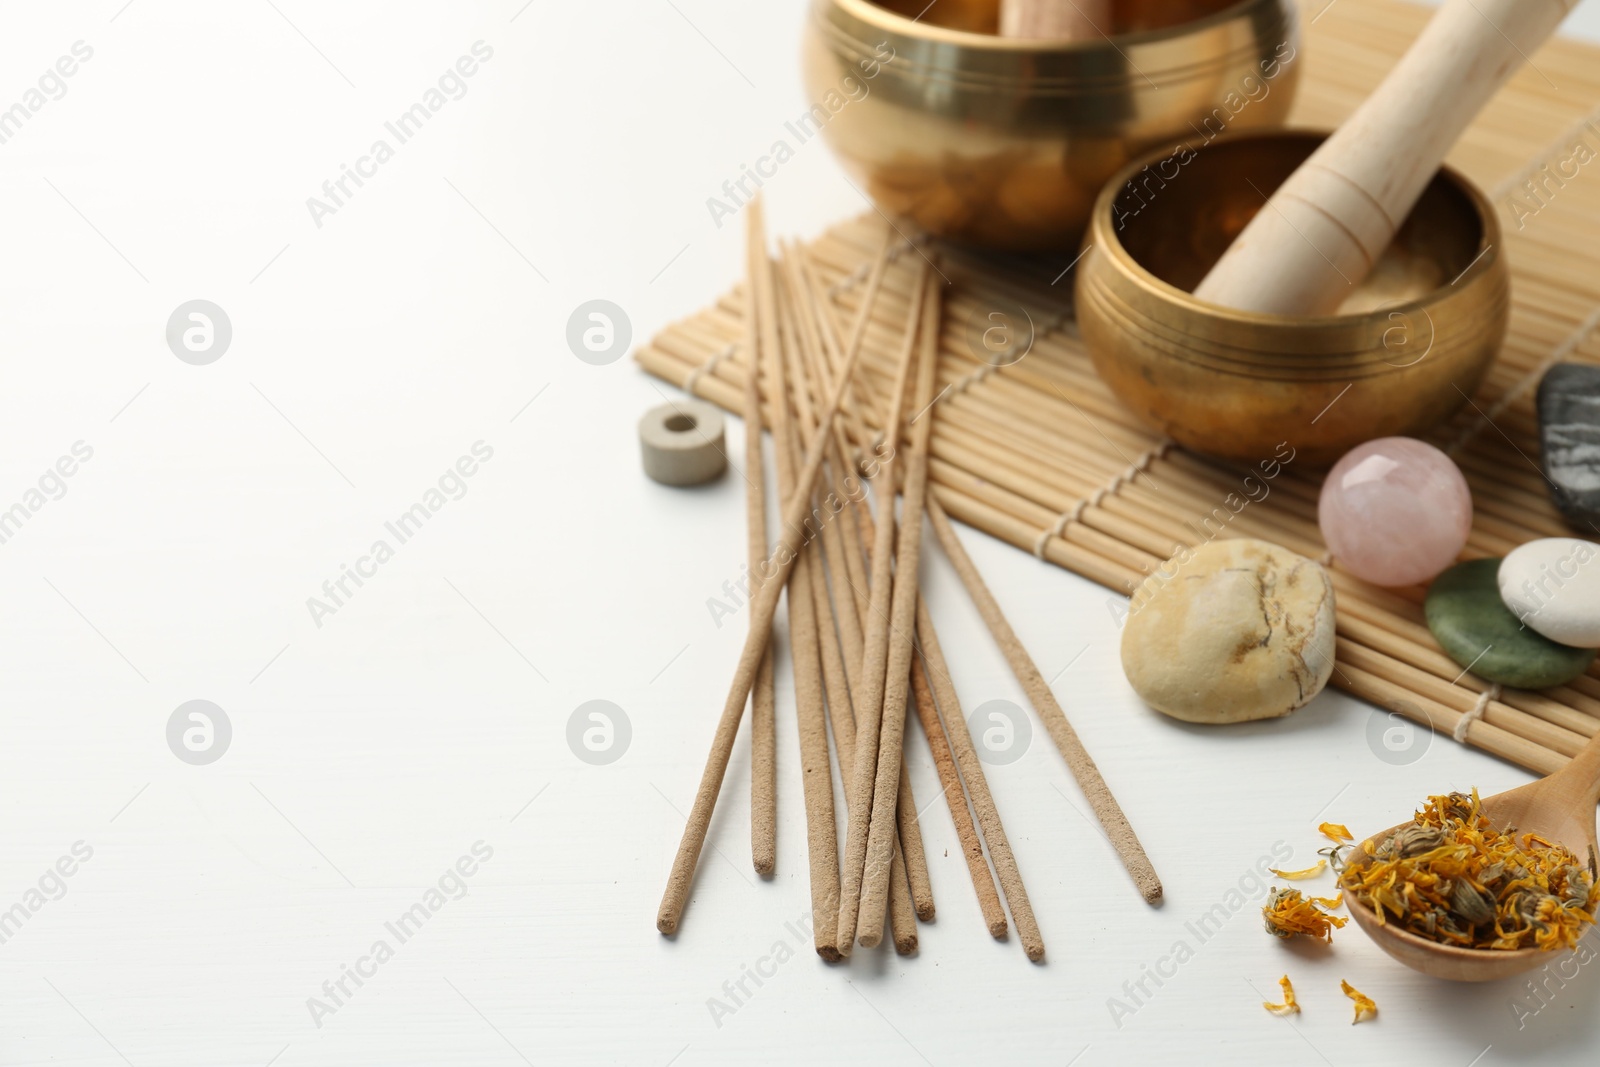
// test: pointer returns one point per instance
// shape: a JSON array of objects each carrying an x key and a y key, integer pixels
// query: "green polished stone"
[{"x": 1474, "y": 626}]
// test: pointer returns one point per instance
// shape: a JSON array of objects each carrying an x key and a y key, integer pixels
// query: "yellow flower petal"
[
  {"x": 1309, "y": 872},
  {"x": 1289, "y": 1006},
  {"x": 1364, "y": 1004},
  {"x": 1335, "y": 832}
]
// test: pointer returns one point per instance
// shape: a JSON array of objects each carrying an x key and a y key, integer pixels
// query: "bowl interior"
[
  {"x": 1127, "y": 16},
  {"x": 1176, "y": 217}
]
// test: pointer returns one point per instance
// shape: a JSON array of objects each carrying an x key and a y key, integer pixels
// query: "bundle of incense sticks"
[{"x": 864, "y": 649}]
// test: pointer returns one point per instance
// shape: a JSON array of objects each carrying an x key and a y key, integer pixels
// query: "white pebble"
[{"x": 1553, "y": 586}]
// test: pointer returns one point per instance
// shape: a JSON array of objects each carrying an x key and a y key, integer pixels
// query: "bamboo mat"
[{"x": 1041, "y": 455}]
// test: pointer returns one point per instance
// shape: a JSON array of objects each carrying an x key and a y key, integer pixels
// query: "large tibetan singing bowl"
[
  {"x": 1005, "y": 143},
  {"x": 1408, "y": 347}
]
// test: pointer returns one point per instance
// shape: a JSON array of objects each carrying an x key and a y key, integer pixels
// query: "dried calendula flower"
[
  {"x": 1288, "y": 913},
  {"x": 1412, "y": 841},
  {"x": 1334, "y": 832},
  {"x": 1289, "y": 1005},
  {"x": 1365, "y": 1006},
  {"x": 1295, "y": 876},
  {"x": 1451, "y": 877}
]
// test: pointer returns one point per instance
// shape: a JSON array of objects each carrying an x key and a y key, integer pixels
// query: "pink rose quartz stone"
[{"x": 1395, "y": 511}]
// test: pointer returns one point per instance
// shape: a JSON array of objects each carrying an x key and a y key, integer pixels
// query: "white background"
[{"x": 429, "y": 712}]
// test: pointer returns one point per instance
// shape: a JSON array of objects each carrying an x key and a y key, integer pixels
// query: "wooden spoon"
[{"x": 1561, "y": 809}]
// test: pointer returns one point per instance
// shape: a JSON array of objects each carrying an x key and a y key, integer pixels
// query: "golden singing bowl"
[
  {"x": 1005, "y": 143},
  {"x": 1408, "y": 347}
]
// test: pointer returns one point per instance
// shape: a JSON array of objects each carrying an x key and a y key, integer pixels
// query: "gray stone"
[{"x": 1569, "y": 434}]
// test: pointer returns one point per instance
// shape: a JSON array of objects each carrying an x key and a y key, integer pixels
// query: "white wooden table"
[{"x": 418, "y": 720}]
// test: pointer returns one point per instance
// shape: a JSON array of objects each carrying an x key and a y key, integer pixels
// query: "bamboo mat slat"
[{"x": 1052, "y": 442}]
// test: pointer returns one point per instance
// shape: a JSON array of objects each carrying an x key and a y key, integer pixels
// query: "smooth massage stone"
[
  {"x": 1231, "y": 631},
  {"x": 1395, "y": 511},
  {"x": 1477, "y": 630},
  {"x": 1569, "y": 435},
  {"x": 1553, "y": 585}
]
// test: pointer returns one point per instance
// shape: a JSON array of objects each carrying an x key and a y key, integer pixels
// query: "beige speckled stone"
[{"x": 1231, "y": 631}]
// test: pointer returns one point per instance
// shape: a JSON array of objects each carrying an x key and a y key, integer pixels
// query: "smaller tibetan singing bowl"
[
  {"x": 1004, "y": 143},
  {"x": 1408, "y": 347}
]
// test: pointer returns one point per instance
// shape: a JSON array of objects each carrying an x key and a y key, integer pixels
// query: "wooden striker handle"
[{"x": 1323, "y": 229}]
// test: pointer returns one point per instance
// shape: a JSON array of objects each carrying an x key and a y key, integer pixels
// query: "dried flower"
[
  {"x": 1288, "y": 913},
  {"x": 1451, "y": 877},
  {"x": 1411, "y": 841},
  {"x": 1365, "y": 1005},
  {"x": 1289, "y": 1006},
  {"x": 1335, "y": 832}
]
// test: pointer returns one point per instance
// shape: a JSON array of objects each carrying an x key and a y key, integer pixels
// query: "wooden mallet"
[{"x": 1325, "y": 227}]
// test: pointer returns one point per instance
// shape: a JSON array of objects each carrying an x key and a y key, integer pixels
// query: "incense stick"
[
  {"x": 902, "y": 917},
  {"x": 763, "y": 605},
  {"x": 970, "y": 767},
  {"x": 874, "y": 892},
  {"x": 821, "y": 336},
  {"x": 842, "y": 549},
  {"x": 907, "y": 820},
  {"x": 804, "y": 639},
  {"x": 994, "y": 916},
  {"x": 867, "y": 692},
  {"x": 983, "y": 881},
  {"x": 840, "y": 720},
  {"x": 1082, "y": 765},
  {"x": 763, "y": 700},
  {"x": 977, "y": 783},
  {"x": 842, "y": 541}
]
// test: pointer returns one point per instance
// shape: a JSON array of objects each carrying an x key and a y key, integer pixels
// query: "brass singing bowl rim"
[
  {"x": 1134, "y": 271},
  {"x": 890, "y": 21}
]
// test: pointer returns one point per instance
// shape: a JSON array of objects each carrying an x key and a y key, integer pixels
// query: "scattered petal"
[
  {"x": 1365, "y": 1007},
  {"x": 1309, "y": 872},
  {"x": 1335, "y": 832},
  {"x": 1289, "y": 1006}
]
